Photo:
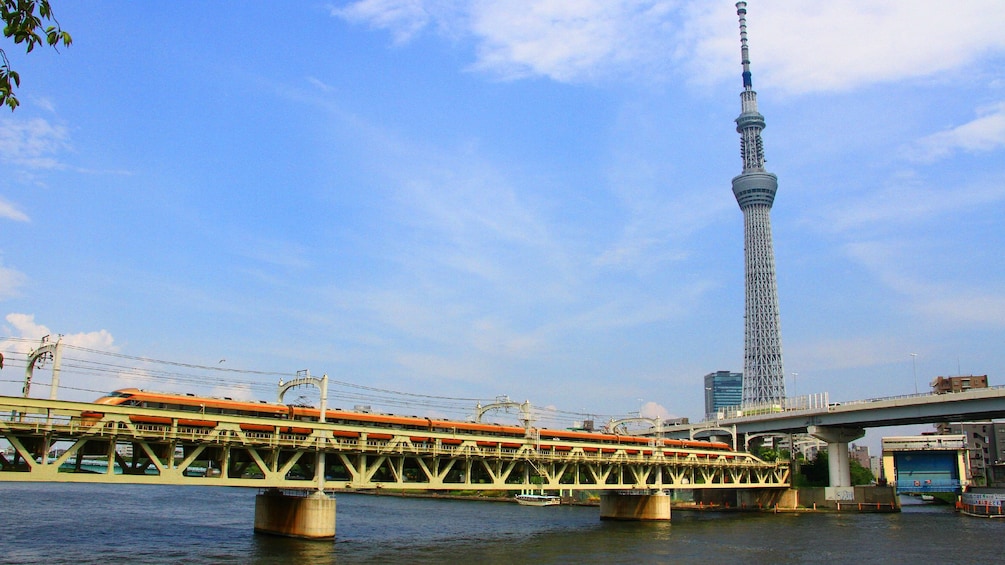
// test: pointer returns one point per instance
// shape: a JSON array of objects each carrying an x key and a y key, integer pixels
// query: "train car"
[{"x": 203, "y": 408}]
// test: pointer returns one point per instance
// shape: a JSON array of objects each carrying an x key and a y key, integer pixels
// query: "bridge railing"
[
  {"x": 816, "y": 401},
  {"x": 913, "y": 395}
]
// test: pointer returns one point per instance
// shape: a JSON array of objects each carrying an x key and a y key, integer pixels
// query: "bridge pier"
[
  {"x": 308, "y": 516},
  {"x": 837, "y": 439},
  {"x": 638, "y": 507}
]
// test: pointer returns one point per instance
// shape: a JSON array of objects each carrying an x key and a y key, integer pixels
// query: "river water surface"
[{"x": 65, "y": 523}]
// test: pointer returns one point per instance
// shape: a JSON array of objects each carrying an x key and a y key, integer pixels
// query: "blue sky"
[{"x": 529, "y": 198}]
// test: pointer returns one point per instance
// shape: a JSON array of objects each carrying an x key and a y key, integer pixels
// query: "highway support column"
[
  {"x": 837, "y": 439},
  {"x": 310, "y": 516},
  {"x": 617, "y": 505}
]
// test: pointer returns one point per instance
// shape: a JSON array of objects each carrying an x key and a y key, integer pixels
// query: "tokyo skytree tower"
[{"x": 754, "y": 189}]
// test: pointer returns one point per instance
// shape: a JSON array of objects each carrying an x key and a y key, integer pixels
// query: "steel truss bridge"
[{"x": 62, "y": 441}]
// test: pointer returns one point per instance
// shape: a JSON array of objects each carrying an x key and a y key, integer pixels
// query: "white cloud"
[
  {"x": 654, "y": 410},
  {"x": 569, "y": 41},
  {"x": 403, "y": 18},
  {"x": 33, "y": 143},
  {"x": 905, "y": 200},
  {"x": 24, "y": 326},
  {"x": 75, "y": 383},
  {"x": 838, "y": 46},
  {"x": 985, "y": 133},
  {"x": 797, "y": 47},
  {"x": 9, "y": 211}
]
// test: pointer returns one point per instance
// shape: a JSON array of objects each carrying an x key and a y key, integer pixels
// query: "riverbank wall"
[{"x": 864, "y": 499}]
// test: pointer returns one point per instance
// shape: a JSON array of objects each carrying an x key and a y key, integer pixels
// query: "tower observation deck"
[{"x": 754, "y": 189}]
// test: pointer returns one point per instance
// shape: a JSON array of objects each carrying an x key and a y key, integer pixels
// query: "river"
[{"x": 67, "y": 523}]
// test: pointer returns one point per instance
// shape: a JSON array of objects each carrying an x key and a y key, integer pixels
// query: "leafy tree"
[
  {"x": 23, "y": 21},
  {"x": 816, "y": 473},
  {"x": 859, "y": 474}
]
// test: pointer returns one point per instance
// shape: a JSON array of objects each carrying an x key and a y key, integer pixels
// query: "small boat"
[{"x": 538, "y": 500}]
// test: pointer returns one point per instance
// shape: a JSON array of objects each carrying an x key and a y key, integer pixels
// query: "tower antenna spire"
[{"x": 741, "y": 11}]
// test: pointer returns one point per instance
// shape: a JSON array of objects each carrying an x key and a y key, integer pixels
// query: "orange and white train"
[{"x": 203, "y": 408}]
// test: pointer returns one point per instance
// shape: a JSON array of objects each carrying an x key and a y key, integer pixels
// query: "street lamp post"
[{"x": 914, "y": 362}]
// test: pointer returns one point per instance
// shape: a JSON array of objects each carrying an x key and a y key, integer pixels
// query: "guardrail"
[{"x": 909, "y": 486}]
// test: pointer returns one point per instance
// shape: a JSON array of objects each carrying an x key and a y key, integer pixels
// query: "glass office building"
[{"x": 723, "y": 389}]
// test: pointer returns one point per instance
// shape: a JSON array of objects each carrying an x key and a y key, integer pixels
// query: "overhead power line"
[{"x": 98, "y": 363}]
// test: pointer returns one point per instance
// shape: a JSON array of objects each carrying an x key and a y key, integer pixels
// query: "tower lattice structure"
[{"x": 754, "y": 189}]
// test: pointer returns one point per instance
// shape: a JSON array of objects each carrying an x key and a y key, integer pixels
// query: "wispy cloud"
[
  {"x": 11, "y": 281},
  {"x": 935, "y": 298},
  {"x": 34, "y": 143},
  {"x": 905, "y": 199},
  {"x": 565, "y": 41},
  {"x": 984, "y": 133},
  {"x": 11, "y": 212},
  {"x": 402, "y": 18},
  {"x": 570, "y": 41},
  {"x": 798, "y": 47},
  {"x": 847, "y": 353}
]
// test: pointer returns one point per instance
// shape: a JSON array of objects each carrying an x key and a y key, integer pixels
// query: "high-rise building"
[
  {"x": 723, "y": 389},
  {"x": 984, "y": 446},
  {"x": 754, "y": 189}
]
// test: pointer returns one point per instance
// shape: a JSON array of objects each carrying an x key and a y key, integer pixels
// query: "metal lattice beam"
[{"x": 116, "y": 448}]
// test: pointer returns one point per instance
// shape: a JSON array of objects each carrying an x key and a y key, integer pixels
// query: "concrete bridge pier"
[
  {"x": 310, "y": 516},
  {"x": 634, "y": 506},
  {"x": 837, "y": 439}
]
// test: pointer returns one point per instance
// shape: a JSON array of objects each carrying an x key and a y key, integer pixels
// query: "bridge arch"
[
  {"x": 748, "y": 437},
  {"x": 304, "y": 378},
  {"x": 730, "y": 431},
  {"x": 504, "y": 403},
  {"x": 48, "y": 350},
  {"x": 614, "y": 426}
]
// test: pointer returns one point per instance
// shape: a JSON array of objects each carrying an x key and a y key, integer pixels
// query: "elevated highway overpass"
[
  {"x": 838, "y": 423},
  {"x": 815, "y": 410}
]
